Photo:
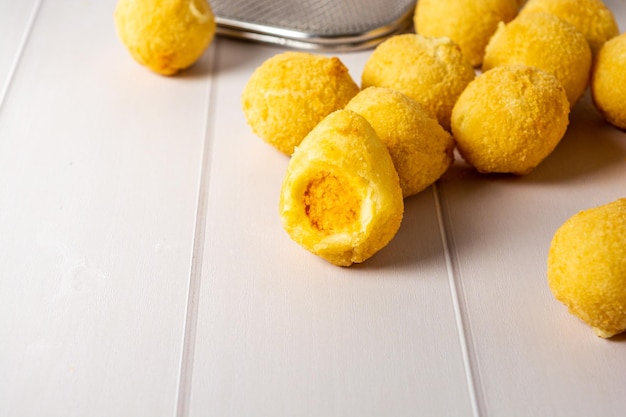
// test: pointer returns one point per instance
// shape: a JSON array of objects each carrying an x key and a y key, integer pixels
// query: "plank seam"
[
  {"x": 20, "y": 51},
  {"x": 195, "y": 272},
  {"x": 471, "y": 373}
]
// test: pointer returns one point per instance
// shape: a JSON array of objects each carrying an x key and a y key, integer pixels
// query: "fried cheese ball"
[
  {"x": 510, "y": 119},
  {"x": 587, "y": 267},
  {"x": 608, "y": 81},
  {"x": 165, "y": 35},
  {"x": 290, "y": 93},
  {"x": 421, "y": 150},
  {"x": 469, "y": 24},
  {"x": 432, "y": 71},
  {"x": 547, "y": 42},
  {"x": 591, "y": 17},
  {"x": 341, "y": 198}
]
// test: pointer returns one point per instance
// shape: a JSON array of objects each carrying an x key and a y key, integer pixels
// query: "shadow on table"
[
  {"x": 226, "y": 55},
  {"x": 590, "y": 145},
  {"x": 418, "y": 240},
  {"x": 621, "y": 338}
]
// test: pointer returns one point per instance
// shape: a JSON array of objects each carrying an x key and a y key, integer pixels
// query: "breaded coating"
[
  {"x": 420, "y": 148},
  {"x": 432, "y": 71},
  {"x": 547, "y": 42},
  {"x": 469, "y": 24},
  {"x": 165, "y": 36},
  {"x": 290, "y": 93},
  {"x": 587, "y": 267},
  {"x": 510, "y": 119},
  {"x": 591, "y": 17},
  {"x": 608, "y": 81},
  {"x": 341, "y": 197}
]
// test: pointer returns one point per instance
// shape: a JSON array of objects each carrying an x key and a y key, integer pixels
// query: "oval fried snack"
[
  {"x": 608, "y": 81},
  {"x": 290, "y": 93},
  {"x": 165, "y": 36},
  {"x": 420, "y": 148},
  {"x": 468, "y": 23},
  {"x": 341, "y": 198},
  {"x": 587, "y": 267},
  {"x": 510, "y": 119}
]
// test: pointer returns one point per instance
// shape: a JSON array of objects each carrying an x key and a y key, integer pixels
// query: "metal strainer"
[{"x": 314, "y": 24}]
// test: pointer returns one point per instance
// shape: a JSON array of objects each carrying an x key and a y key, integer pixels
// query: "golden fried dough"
[
  {"x": 587, "y": 267},
  {"x": 469, "y": 24},
  {"x": 608, "y": 81},
  {"x": 547, "y": 42},
  {"x": 432, "y": 71},
  {"x": 165, "y": 36},
  {"x": 341, "y": 198},
  {"x": 591, "y": 17},
  {"x": 509, "y": 119},
  {"x": 292, "y": 92},
  {"x": 420, "y": 148}
]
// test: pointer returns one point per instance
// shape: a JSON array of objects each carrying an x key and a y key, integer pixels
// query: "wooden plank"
[
  {"x": 281, "y": 332},
  {"x": 100, "y": 163},
  {"x": 529, "y": 356}
]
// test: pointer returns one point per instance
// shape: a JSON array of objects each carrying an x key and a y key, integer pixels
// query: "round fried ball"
[
  {"x": 432, "y": 71},
  {"x": 587, "y": 267},
  {"x": 341, "y": 197},
  {"x": 510, "y": 119},
  {"x": 420, "y": 148},
  {"x": 468, "y": 23},
  {"x": 547, "y": 42},
  {"x": 608, "y": 81},
  {"x": 290, "y": 93},
  {"x": 165, "y": 36},
  {"x": 591, "y": 17}
]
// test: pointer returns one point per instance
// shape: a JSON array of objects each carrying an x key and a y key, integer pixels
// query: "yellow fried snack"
[
  {"x": 292, "y": 92},
  {"x": 587, "y": 267},
  {"x": 608, "y": 81},
  {"x": 547, "y": 42},
  {"x": 420, "y": 148},
  {"x": 509, "y": 119},
  {"x": 468, "y": 23},
  {"x": 341, "y": 197},
  {"x": 165, "y": 35},
  {"x": 432, "y": 71},
  {"x": 591, "y": 17}
]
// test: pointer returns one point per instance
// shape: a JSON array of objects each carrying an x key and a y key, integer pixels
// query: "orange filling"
[{"x": 330, "y": 203}]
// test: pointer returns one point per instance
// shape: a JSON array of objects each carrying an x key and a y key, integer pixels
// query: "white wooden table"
[{"x": 144, "y": 270}]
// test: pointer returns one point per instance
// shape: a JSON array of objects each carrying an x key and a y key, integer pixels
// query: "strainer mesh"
[{"x": 316, "y": 17}]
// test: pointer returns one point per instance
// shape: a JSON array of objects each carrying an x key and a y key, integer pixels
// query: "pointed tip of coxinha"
[{"x": 341, "y": 198}]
